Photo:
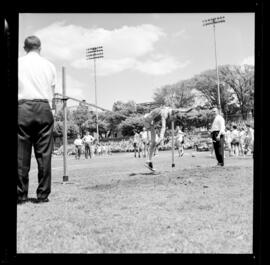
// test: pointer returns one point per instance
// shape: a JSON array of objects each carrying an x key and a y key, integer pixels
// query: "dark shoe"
[
  {"x": 149, "y": 165},
  {"x": 220, "y": 164},
  {"x": 21, "y": 201},
  {"x": 41, "y": 200}
]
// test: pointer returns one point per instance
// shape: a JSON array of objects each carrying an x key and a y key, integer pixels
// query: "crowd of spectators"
[{"x": 190, "y": 141}]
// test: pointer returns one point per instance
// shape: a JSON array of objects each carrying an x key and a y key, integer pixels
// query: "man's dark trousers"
[
  {"x": 35, "y": 129},
  {"x": 87, "y": 151},
  {"x": 218, "y": 147}
]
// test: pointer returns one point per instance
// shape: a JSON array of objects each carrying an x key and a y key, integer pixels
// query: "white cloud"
[
  {"x": 160, "y": 65},
  {"x": 69, "y": 42},
  {"x": 248, "y": 60},
  {"x": 124, "y": 48},
  {"x": 182, "y": 33},
  {"x": 106, "y": 66}
]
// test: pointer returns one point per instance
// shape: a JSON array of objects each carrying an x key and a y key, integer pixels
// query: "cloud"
[
  {"x": 248, "y": 60},
  {"x": 160, "y": 65},
  {"x": 68, "y": 42},
  {"x": 182, "y": 34},
  {"x": 124, "y": 48}
]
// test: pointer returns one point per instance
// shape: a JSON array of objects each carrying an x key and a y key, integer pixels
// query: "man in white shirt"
[
  {"x": 37, "y": 79},
  {"x": 88, "y": 140},
  {"x": 218, "y": 132}
]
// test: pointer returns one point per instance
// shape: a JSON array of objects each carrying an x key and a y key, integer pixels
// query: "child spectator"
[{"x": 78, "y": 147}]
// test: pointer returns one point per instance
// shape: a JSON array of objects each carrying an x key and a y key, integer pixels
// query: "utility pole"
[
  {"x": 93, "y": 54},
  {"x": 214, "y": 21}
]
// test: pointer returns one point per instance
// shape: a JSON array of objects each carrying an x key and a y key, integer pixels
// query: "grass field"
[{"x": 113, "y": 204}]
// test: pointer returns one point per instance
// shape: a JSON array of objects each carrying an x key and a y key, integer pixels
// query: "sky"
[{"x": 142, "y": 52}]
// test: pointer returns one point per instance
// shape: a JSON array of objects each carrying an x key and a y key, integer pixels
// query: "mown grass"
[{"x": 114, "y": 205}]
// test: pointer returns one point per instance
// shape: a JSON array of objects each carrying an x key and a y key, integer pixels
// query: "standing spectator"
[
  {"x": 218, "y": 131},
  {"x": 242, "y": 136},
  {"x": 249, "y": 141},
  {"x": 228, "y": 139},
  {"x": 179, "y": 141},
  {"x": 78, "y": 147},
  {"x": 109, "y": 148},
  {"x": 145, "y": 141},
  {"x": 37, "y": 79},
  {"x": 136, "y": 144},
  {"x": 235, "y": 140},
  {"x": 88, "y": 141}
]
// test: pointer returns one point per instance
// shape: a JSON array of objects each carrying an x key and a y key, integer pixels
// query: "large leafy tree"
[
  {"x": 113, "y": 119},
  {"x": 72, "y": 129},
  {"x": 125, "y": 109},
  {"x": 206, "y": 84},
  {"x": 241, "y": 80},
  {"x": 59, "y": 116},
  {"x": 128, "y": 126},
  {"x": 179, "y": 95},
  {"x": 91, "y": 124},
  {"x": 196, "y": 118},
  {"x": 81, "y": 115}
]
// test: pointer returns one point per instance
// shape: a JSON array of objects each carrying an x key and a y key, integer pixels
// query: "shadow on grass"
[{"x": 132, "y": 182}]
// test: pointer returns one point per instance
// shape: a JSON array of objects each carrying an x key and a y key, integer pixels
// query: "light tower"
[
  {"x": 93, "y": 54},
  {"x": 214, "y": 21}
]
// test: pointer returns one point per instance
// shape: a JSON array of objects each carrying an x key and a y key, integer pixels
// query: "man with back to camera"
[
  {"x": 217, "y": 133},
  {"x": 37, "y": 79}
]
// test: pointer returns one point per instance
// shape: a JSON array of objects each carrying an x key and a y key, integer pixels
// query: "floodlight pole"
[
  {"x": 213, "y": 21},
  {"x": 96, "y": 98},
  {"x": 65, "y": 176},
  {"x": 95, "y": 53},
  {"x": 172, "y": 123}
]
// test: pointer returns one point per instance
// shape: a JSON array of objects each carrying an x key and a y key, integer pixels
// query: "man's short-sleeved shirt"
[
  {"x": 88, "y": 139},
  {"x": 37, "y": 77},
  {"x": 136, "y": 138},
  {"x": 218, "y": 124},
  {"x": 78, "y": 142}
]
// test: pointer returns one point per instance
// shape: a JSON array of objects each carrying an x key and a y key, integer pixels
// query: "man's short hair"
[{"x": 32, "y": 43}]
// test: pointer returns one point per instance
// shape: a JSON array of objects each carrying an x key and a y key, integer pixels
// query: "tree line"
[{"x": 236, "y": 97}]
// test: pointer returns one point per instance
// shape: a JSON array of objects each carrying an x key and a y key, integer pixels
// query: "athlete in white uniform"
[{"x": 150, "y": 119}]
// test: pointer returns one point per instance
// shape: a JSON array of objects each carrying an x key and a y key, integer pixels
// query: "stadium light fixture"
[
  {"x": 214, "y": 21},
  {"x": 93, "y": 54}
]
